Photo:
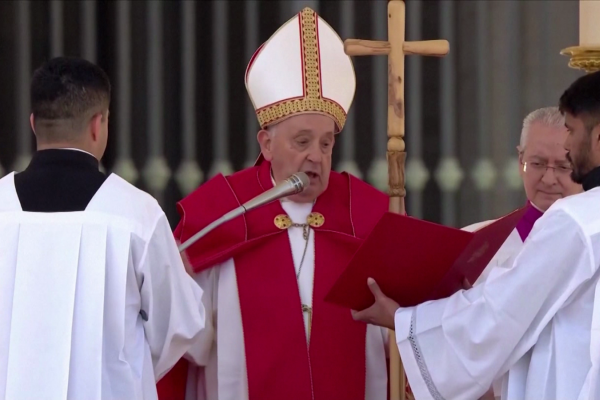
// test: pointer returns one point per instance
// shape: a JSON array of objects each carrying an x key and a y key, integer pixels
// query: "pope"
[{"x": 264, "y": 275}]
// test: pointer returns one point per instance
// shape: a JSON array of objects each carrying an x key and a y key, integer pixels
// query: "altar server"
[
  {"x": 537, "y": 321},
  {"x": 95, "y": 302}
]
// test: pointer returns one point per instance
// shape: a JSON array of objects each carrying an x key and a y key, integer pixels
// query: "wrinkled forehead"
[
  {"x": 310, "y": 124},
  {"x": 546, "y": 143}
]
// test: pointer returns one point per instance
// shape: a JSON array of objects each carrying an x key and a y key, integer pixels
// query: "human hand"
[{"x": 382, "y": 312}]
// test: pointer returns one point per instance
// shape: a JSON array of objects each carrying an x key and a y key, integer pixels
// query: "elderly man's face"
[
  {"x": 545, "y": 170},
  {"x": 302, "y": 143}
]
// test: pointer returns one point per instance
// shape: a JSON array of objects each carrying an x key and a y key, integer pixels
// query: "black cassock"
[{"x": 58, "y": 180}]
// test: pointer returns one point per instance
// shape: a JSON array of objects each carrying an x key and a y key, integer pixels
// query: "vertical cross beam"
[{"x": 396, "y": 47}]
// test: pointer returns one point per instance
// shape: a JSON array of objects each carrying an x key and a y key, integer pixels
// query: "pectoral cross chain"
[
  {"x": 305, "y": 235},
  {"x": 314, "y": 220},
  {"x": 307, "y": 309}
]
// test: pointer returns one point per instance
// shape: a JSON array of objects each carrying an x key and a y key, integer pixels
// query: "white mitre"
[{"x": 301, "y": 69}]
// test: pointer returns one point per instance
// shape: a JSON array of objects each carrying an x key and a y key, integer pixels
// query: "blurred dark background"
[{"x": 180, "y": 112}]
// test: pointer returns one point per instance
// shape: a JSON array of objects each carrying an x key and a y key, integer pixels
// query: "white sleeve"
[
  {"x": 171, "y": 300},
  {"x": 200, "y": 351},
  {"x": 454, "y": 348}
]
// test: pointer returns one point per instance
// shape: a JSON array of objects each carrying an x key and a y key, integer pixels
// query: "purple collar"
[{"x": 526, "y": 223}]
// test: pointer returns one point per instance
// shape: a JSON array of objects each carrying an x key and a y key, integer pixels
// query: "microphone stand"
[
  {"x": 294, "y": 184},
  {"x": 213, "y": 225}
]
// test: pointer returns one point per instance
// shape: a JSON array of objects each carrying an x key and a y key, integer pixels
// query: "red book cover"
[{"x": 414, "y": 261}]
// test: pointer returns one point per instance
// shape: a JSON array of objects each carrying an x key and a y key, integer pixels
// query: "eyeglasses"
[{"x": 539, "y": 167}]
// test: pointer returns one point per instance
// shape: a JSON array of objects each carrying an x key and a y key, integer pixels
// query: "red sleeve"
[{"x": 203, "y": 206}]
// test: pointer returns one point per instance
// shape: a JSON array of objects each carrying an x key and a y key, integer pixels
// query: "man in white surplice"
[
  {"x": 538, "y": 321},
  {"x": 95, "y": 303},
  {"x": 546, "y": 175}
]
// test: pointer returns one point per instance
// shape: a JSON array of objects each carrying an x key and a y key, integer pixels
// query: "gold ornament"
[
  {"x": 282, "y": 221},
  {"x": 315, "y": 219},
  {"x": 586, "y": 58}
]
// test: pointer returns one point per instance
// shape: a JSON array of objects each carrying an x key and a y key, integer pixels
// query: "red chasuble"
[{"x": 279, "y": 364}]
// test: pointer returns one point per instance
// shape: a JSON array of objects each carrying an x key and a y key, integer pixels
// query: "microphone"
[{"x": 292, "y": 185}]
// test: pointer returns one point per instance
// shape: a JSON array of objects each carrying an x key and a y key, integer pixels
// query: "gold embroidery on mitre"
[
  {"x": 312, "y": 100},
  {"x": 282, "y": 221},
  {"x": 315, "y": 219}
]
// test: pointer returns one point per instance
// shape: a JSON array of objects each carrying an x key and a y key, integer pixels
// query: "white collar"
[{"x": 536, "y": 207}]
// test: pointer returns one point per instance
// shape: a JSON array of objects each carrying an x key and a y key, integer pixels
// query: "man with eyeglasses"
[
  {"x": 536, "y": 323},
  {"x": 546, "y": 175}
]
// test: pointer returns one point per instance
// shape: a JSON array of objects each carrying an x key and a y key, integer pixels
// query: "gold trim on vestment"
[{"x": 312, "y": 100}]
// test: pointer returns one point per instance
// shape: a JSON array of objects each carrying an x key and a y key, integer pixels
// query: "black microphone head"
[{"x": 300, "y": 181}]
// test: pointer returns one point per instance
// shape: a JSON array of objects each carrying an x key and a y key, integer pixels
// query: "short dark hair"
[
  {"x": 65, "y": 93},
  {"x": 582, "y": 99}
]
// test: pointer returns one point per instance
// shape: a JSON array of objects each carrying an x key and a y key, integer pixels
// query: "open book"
[{"x": 414, "y": 261}]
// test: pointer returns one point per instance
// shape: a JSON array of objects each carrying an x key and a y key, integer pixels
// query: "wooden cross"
[{"x": 395, "y": 48}]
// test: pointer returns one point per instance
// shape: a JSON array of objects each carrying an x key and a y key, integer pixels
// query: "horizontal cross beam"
[{"x": 359, "y": 47}]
